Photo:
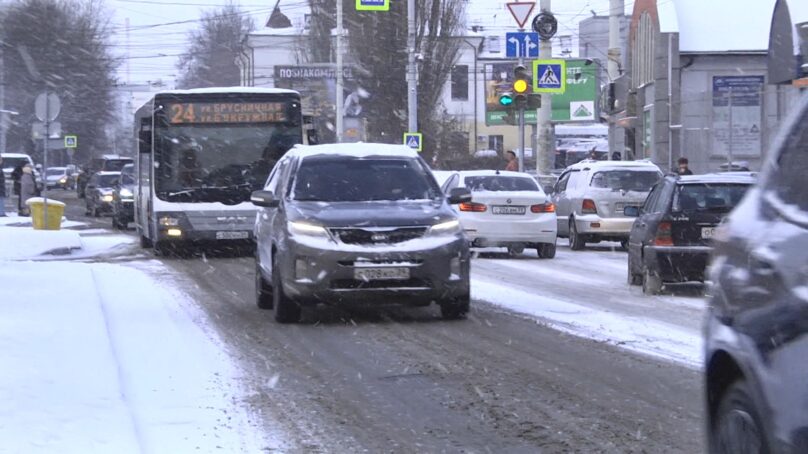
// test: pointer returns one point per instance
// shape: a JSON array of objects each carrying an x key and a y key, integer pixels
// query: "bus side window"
[{"x": 144, "y": 140}]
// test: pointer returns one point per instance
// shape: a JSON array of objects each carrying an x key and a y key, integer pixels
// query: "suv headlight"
[
  {"x": 309, "y": 230},
  {"x": 126, "y": 194},
  {"x": 446, "y": 228}
]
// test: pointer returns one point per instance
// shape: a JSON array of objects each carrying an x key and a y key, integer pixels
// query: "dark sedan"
[
  {"x": 123, "y": 199},
  {"x": 756, "y": 348},
  {"x": 98, "y": 193},
  {"x": 671, "y": 239}
]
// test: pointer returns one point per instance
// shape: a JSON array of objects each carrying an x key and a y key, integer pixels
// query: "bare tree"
[
  {"x": 377, "y": 47},
  {"x": 211, "y": 56}
]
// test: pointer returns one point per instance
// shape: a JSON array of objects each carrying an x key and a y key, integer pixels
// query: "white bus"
[{"x": 201, "y": 153}]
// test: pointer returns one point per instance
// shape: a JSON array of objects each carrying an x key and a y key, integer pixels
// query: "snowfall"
[{"x": 101, "y": 357}]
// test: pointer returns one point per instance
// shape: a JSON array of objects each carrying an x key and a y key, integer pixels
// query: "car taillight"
[
  {"x": 588, "y": 207},
  {"x": 663, "y": 235},
  {"x": 472, "y": 207},
  {"x": 543, "y": 208}
]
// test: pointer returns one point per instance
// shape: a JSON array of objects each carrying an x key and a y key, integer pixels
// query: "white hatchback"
[{"x": 508, "y": 209}]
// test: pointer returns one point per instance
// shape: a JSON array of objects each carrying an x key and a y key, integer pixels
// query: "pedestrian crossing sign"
[
  {"x": 71, "y": 141},
  {"x": 549, "y": 76},
  {"x": 414, "y": 140}
]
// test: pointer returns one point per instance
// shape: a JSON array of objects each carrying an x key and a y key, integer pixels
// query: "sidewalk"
[{"x": 106, "y": 358}]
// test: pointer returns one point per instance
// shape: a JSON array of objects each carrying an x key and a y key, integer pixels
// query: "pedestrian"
[
  {"x": 2, "y": 190},
  {"x": 593, "y": 154},
  {"x": 683, "y": 168},
  {"x": 513, "y": 163},
  {"x": 16, "y": 174},
  {"x": 28, "y": 188}
]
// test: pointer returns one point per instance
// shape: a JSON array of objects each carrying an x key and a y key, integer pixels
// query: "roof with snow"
[
  {"x": 742, "y": 28},
  {"x": 357, "y": 150}
]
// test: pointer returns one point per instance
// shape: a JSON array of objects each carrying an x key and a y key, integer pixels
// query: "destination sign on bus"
[{"x": 188, "y": 113}]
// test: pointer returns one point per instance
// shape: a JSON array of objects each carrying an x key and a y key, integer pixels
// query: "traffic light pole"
[
  {"x": 546, "y": 152},
  {"x": 521, "y": 127}
]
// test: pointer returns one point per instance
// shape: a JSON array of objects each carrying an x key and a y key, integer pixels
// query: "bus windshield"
[{"x": 216, "y": 162}]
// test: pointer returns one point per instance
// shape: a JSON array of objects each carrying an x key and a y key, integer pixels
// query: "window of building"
[
  {"x": 643, "y": 54},
  {"x": 460, "y": 82}
]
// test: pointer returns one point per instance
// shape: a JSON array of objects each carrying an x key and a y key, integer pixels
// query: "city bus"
[{"x": 201, "y": 153}]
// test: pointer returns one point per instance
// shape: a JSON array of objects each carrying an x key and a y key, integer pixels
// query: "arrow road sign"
[
  {"x": 414, "y": 140},
  {"x": 521, "y": 11},
  {"x": 549, "y": 76},
  {"x": 522, "y": 45}
]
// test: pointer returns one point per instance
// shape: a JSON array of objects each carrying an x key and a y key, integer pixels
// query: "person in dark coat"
[
  {"x": 16, "y": 174},
  {"x": 684, "y": 167},
  {"x": 2, "y": 190}
]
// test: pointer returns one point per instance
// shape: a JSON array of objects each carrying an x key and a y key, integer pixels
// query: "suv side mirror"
[
  {"x": 264, "y": 199},
  {"x": 459, "y": 195},
  {"x": 631, "y": 211}
]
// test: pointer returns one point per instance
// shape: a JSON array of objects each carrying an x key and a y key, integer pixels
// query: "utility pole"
[
  {"x": 616, "y": 11},
  {"x": 2, "y": 99},
  {"x": 546, "y": 151},
  {"x": 340, "y": 82},
  {"x": 412, "y": 71},
  {"x": 731, "y": 130}
]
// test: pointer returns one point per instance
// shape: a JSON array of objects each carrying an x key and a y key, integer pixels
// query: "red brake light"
[
  {"x": 663, "y": 235},
  {"x": 543, "y": 208},
  {"x": 588, "y": 207},
  {"x": 472, "y": 207}
]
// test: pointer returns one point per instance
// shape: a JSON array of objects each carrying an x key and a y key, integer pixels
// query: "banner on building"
[
  {"x": 579, "y": 103},
  {"x": 737, "y": 115}
]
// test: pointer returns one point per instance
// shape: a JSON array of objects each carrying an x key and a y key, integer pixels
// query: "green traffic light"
[{"x": 505, "y": 100}]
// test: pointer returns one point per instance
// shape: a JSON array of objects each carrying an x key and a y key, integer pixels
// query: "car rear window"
[
  {"x": 500, "y": 183},
  {"x": 626, "y": 180},
  {"x": 708, "y": 197},
  {"x": 107, "y": 181},
  {"x": 346, "y": 179}
]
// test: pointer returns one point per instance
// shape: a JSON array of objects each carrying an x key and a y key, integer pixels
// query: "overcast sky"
[{"x": 161, "y": 27}]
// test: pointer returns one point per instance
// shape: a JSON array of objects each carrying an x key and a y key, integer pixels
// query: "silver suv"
[
  {"x": 354, "y": 223},
  {"x": 590, "y": 197}
]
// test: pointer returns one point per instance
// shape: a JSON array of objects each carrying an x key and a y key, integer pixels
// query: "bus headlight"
[{"x": 167, "y": 221}]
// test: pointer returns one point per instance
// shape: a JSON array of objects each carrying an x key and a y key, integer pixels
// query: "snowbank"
[
  {"x": 22, "y": 243},
  {"x": 104, "y": 359}
]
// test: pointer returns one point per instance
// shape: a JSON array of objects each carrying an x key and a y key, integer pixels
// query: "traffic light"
[
  {"x": 521, "y": 86},
  {"x": 506, "y": 100}
]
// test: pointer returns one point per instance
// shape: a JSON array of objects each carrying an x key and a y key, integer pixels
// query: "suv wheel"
[
  {"x": 737, "y": 427},
  {"x": 263, "y": 291},
  {"x": 577, "y": 242},
  {"x": 546, "y": 250},
  {"x": 651, "y": 283},
  {"x": 286, "y": 310},
  {"x": 455, "y": 308}
]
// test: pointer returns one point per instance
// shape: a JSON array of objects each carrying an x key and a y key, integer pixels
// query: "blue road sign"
[
  {"x": 522, "y": 45},
  {"x": 549, "y": 76},
  {"x": 373, "y": 5},
  {"x": 414, "y": 140}
]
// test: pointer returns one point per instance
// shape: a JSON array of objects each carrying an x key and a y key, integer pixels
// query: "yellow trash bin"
[{"x": 55, "y": 211}]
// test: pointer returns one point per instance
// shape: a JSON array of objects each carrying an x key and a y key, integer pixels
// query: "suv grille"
[{"x": 378, "y": 236}]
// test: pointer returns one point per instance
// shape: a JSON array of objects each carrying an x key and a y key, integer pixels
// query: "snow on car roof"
[
  {"x": 486, "y": 173},
  {"x": 107, "y": 172},
  {"x": 592, "y": 164},
  {"x": 236, "y": 90},
  {"x": 358, "y": 150},
  {"x": 15, "y": 155},
  {"x": 723, "y": 177}
]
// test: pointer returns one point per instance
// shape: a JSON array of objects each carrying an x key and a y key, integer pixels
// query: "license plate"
[
  {"x": 500, "y": 209},
  {"x": 707, "y": 232},
  {"x": 232, "y": 235},
  {"x": 381, "y": 274}
]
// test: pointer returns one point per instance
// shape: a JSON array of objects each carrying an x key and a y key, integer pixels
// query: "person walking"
[
  {"x": 28, "y": 188},
  {"x": 513, "y": 163},
  {"x": 2, "y": 190},
  {"x": 683, "y": 167}
]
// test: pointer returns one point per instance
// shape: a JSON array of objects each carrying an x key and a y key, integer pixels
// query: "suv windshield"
[
  {"x": 708, "y": 197},
  {"x": 346, "y": 179},
  {"x": 55, "y": 171},
  {"x": 625, "y": 180},
  {"x": 107, "y": 181},
  {"x": 500, "y": 183},
  {"x": 115, "y": 165},
  {"x": 12, "y": 163}
]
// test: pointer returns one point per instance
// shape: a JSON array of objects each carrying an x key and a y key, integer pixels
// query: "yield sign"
[{"x": 521, "y": 11}]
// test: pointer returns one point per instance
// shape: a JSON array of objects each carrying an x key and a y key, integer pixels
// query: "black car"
[
  {"x": 123, "y": 199},
  {"x": 756, "y": 345},
  {"x": 98, "y": 193},
  {"x": 354, "y": 223},
  {"x": 109, "y": 163},
  {"x": 671, "y": 239}
]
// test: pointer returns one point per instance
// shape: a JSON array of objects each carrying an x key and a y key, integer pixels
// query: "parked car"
[
  {"x": 591, "y": 196},
  {"x": 508, "y": 209},
  {"x": 756, "y": 336},
  {"x": 57, "y": 177},
  {"x": 358, "y": 222},
  {"x": 11, "y": 161},
  {"x": 98, "y": 193},
  {"x": 671, "y": 239},
  {"x": 123, "y": 199},
  {"x": 106, "y": 163}
]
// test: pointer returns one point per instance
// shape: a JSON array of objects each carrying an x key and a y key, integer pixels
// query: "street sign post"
[
  {"x": 414, "y": 140},
  {"x": 373, "y": 5},
  {"x": 522, "y": 45},
  {"x": 549, "y": 76},
  {"x": 47, "y": 105},
  {"x": 521, "y": 11}
]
